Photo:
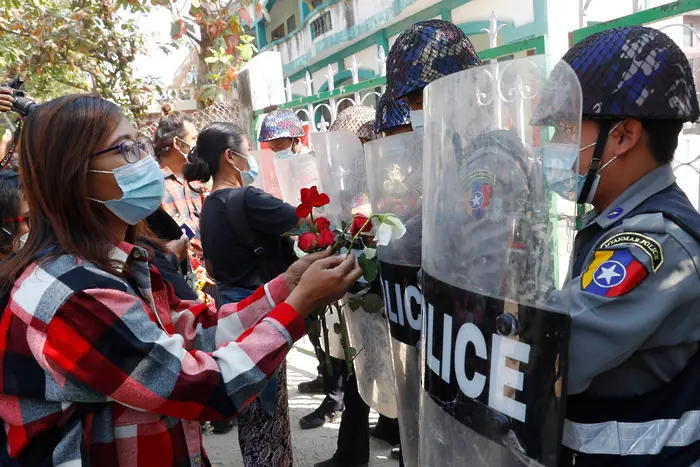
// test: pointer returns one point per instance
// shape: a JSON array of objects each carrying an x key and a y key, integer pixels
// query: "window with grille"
[
  {"x": 278, "y": 32},
  {"x": 321, "y": 25},
  {"x": 291, "y": 23}
]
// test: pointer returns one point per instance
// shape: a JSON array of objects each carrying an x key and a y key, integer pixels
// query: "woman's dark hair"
[
  {"x": 10, "y": 193},
  {"x": 170, "y": 126},
  {"x": 55, "y": 147},
  {"x": 213, "y": 140}
]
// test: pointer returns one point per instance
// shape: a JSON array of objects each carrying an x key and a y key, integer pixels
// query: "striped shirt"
[{"x": 118, "y": 371}]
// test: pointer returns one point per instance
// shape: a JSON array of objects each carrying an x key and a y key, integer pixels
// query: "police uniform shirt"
[{"x": 635, "y": 306}]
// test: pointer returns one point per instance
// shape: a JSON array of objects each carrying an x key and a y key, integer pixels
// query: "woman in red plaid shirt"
[{"x": 100, "y": 363}]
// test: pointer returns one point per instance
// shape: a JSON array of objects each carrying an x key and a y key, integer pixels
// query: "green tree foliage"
[{"x": 63, "y": 46}]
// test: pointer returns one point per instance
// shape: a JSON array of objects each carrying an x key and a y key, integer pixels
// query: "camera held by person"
[{"x": 13, "y": 98}]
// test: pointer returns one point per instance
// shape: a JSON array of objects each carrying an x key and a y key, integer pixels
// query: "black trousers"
[
  {"x": 353, "y": 436},
  {"x": 332, "y": 383}
]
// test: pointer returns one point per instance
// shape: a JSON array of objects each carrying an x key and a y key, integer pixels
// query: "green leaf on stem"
[
  {"x": 350, "y": 353},
  {"x": 369, "y": 267}
]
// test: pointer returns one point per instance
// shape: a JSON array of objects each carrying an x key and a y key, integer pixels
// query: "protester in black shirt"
[{"x": 241, "y": 228}]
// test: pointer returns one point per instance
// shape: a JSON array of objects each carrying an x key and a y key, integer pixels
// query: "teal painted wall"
[{"x": 296, "y": 69}]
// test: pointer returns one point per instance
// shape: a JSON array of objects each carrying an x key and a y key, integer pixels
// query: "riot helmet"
[
  {"x": 425, "y": 52},
  {"x": 358, "y": 119},
  {"x": 391, "y": 114},
  {"x": 628, "y": 72}
]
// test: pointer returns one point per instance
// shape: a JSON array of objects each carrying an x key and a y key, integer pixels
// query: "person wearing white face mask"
[
  {"x": 242, "y": 229},
  {"x": 175, "y": 136},
  {"x": 282, "y": 131}
]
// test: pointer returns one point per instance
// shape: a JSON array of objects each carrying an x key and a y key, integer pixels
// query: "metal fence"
[
  {"x": 320, "y": 109},
  {"x": 219, "y": 112}
]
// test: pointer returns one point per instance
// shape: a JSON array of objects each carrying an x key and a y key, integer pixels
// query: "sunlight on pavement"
[{"x": 310, "y": 446}]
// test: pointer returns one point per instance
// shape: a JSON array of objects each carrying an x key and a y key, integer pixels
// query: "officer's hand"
[
  {"x": 6, "y": 99},
  {"x": 325, "y": 281}
]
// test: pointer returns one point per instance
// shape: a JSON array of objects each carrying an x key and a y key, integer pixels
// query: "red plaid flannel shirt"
[
  {"x": 181, "y": 203},
  {"x": 120, "y": 372}
]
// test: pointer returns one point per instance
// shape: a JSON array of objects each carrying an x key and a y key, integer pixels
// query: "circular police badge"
[
  {"x": 610, "y": 274},
  {"x": 615, "y": 213}
]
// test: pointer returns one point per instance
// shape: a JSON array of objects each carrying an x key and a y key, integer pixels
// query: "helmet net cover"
[
  {"x": 425, "y": 52},
  {"x": 280, "y": 124},
  {"x": 391, "y": 114},
  {"x": 358, "y": 119},
  {"x": 634, "y": 72}
]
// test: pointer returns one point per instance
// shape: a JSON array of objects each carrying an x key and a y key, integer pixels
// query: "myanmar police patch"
[
  {"x": 613, "y": 273},
  {"x": 479, "y": 187}
]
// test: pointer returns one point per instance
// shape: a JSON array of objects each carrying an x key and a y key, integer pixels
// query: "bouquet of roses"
[{"x": 361, "y": 237}]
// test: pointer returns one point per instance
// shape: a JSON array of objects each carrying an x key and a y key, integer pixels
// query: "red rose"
[
  {"x": 308, "y": 242},
  {"x": 322, "y": 224},
  {"x": 358, "y": 224},
  {"x": 326, "y": 238},
  {"x": 310, "y": 199}
]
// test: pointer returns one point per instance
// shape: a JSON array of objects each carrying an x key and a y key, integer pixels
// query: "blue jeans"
[{"x": 268, "y": 396}]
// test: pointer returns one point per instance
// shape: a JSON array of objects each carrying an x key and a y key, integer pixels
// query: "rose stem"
[
  {"x": 352, "y": 242},
  {"x": 329, "y": 365}
]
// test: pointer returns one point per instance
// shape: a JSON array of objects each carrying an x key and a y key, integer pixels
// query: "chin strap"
[{"x": 595, "y": 160}]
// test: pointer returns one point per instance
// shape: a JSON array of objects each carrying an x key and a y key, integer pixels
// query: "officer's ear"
[{"x": 627, "y": 136}]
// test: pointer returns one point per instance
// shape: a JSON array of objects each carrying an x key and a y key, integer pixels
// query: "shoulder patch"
[
  {"x": 479, "y": 187},
  {"x": 648, "y": 245},
  {"x": 613, "y": 273}
]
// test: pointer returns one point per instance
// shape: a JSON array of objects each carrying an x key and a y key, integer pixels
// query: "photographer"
[{"x": 102, "y": 364}]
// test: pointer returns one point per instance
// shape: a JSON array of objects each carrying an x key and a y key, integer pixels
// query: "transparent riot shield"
[
  {"x": 341, "y": 167},
  {"x": 394, "y": 172},
  {"x": 344, "y": 178},
  {"x": 500, "y": 140},
  {"x": 294, "y": 173},
  {"x": 267, "y": 178}
]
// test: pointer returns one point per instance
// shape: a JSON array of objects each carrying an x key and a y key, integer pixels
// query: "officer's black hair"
[{"x": 663, "y": 138}]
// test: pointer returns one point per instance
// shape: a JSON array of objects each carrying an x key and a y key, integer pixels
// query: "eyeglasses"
[
  {"x": 131, "y": 150},
  {"x": 18, "y": 220}
]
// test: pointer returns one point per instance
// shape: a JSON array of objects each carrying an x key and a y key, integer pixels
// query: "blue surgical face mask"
[
  {"x": 417, "y": 121},
  {"x": 558, "y": 166},
  {"x": 143, "y": 189},
  {"x": 248, "y": 176}
]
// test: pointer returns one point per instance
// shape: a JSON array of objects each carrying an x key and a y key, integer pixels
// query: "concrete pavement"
[{"x": 310, "y": 446}]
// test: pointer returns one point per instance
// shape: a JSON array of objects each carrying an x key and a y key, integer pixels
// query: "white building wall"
[
  {"x": 519, "y": 11},
  {"x": 366, "y": 59},
  {"x": 281, "y": 11}
]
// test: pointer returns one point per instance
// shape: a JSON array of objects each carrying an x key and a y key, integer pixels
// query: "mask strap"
[
  {"x": 595, "y": 161},
  {"x": 109, "y": 172},
  {"x": 97, "y": 200}
]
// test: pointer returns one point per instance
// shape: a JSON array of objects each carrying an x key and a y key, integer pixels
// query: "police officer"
[
  {"x": 353, "y": 435},
  {"x": 423, "y": 53},
  {"x": 633, "y": 388},
  {"x": 282, "y": 131}
]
